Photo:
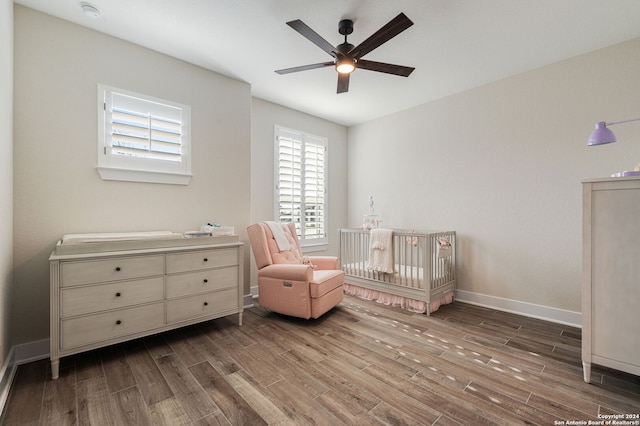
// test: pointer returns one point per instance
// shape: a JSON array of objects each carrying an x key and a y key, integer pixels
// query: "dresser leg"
[
  {"x": 239, "y": 318},
  {"x": 55, "y": 368},
  {"x": 586, "y": 368}
]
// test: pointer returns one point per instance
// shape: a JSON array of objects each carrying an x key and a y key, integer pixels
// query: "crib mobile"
[{"x": 371, "y": 220}]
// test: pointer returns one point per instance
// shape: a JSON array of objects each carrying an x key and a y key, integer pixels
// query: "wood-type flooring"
[{"x": 360, "y": 364}]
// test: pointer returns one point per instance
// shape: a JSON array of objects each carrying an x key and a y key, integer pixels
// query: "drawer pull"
[
  {"x": 206, "y": 303},
  {"x": 206, "y": 281},
  {"x": 118, "y": 294},
  {"x": 117, "y": 268},
  {"x": 206, "y": 260},
  {"x": 118, "y": 322}
]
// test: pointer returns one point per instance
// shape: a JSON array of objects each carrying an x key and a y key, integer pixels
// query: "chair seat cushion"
[{"x": 325, "y": 281}]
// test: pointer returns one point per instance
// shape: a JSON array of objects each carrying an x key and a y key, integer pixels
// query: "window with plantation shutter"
[
  {"x": 301, "y": 176},
  {"x": 141, "y": 138}
]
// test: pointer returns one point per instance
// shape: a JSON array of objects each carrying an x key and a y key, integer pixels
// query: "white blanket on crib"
[{"x": 381, "y": 250}]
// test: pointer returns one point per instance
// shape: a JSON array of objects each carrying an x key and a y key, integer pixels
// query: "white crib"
[{"x": 424, "y": 275}]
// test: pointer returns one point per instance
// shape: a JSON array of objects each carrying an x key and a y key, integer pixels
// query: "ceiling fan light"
[{"x": 345, "y": 65}]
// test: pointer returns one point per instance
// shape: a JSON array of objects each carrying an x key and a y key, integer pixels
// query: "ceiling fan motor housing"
[
  {"x": 344, "y": 48},
  {"x": 345, "y": 27}
]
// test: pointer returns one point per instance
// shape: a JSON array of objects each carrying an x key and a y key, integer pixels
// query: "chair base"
[
  {"x": 324, "y": 304},
  {"x": 294, "y": 301}
]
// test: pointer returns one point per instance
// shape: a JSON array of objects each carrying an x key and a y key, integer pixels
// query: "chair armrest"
[
  {"x": 325, "y": 262},
  {"x": 289, "y": 272}
]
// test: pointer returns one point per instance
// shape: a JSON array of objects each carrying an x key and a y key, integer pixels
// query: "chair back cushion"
[{"x": 265, "y": 249}]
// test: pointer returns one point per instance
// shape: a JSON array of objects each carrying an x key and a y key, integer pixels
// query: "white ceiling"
[{"x": 454, "y": 45}]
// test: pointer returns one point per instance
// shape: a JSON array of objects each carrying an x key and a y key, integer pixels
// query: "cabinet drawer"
[
  {"x": 102, "y": 297},
  {"x": 202, "y": 305},
  {"x": 108, "y": 325},
  {"x": 197, "y": 260},
  {"x": 123, "y": 268},
  {"x": 201, "y": 282}
]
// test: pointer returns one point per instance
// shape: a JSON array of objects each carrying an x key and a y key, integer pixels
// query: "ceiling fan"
[{"x": 347, "y": 57}]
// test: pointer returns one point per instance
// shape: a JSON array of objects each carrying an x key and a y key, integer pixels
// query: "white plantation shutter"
[
  {"x": 289, "y": 182},
  {"x": 301, "y": 184},
  {"x": 144, "y": 135},
  {"x": 314, "y": 191}
]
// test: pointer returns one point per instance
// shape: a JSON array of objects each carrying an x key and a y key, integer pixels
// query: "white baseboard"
[
  {"x": 247, "y": 301},
  {"x": 7, "y": 373},
  {"x": 546, "y": 313},
  {"x": 32, "y": 351},
  {"x": 19, "y": 354}
]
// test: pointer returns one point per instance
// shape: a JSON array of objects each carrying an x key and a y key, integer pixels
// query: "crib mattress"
[{"x": 401, "y": 272}]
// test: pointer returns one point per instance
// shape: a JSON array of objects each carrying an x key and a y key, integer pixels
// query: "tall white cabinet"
[
  {"x": 107, "y": 293},
  {"x": 611, "y": 274}
]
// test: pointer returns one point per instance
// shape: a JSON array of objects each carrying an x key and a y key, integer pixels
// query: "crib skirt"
[{"x": 387, "y": 299}]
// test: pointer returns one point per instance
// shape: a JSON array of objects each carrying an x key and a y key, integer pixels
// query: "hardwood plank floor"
[{"x": 360, "y": 364}]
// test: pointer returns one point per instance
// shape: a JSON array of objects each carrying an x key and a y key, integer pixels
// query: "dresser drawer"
[
  {"x": 201, "y": 282},
  {"x": 197, "y": 260},
  {"x": 202, "y": 305},
  {"x": 102, "y": 297},
  {"x": 108, "y": 325},
  {"x": 123, "y": 268}
]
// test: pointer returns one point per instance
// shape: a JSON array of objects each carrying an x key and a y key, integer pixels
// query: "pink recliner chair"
[{"x": 287, "y": 285}]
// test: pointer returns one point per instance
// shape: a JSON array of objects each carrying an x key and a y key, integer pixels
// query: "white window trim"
[
  {"x": 138, "y": 169},
  {"x": 316, "y": 244}
]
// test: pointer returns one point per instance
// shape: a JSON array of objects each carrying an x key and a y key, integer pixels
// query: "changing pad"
[{"x": 118, "y": 236}]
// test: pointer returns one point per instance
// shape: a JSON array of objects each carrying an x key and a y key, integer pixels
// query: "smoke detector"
[{"x": 90, "y": 10}]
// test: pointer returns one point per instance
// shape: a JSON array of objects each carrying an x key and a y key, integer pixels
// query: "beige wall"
[
  {"x": 57, "y": 189},
  {"x": 265, "y": 115},
  {"x": 502, "y": 165},
  {"x": 6, "y": 173}
]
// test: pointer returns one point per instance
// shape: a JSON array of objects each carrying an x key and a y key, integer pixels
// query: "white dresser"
[
  {"x": 111, "y": 292},
  {"x": 611, "y": 275}
]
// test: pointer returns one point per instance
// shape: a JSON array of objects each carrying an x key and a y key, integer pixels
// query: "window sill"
[
  {"x": 314, "y": 248},
  {"x": 110, "y": 173}
]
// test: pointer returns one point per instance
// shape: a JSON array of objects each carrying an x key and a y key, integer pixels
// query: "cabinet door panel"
[{"x": 615, "y": 268}]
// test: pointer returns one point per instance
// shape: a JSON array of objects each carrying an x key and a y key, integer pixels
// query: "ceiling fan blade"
[
  {"x": 305, "y": 67},
  {"x": 384, "y": 34},
  {"x": 312, "y": 36},
  {"x": 343, "y": 82},
  {"x": 382, "y": 67}
]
